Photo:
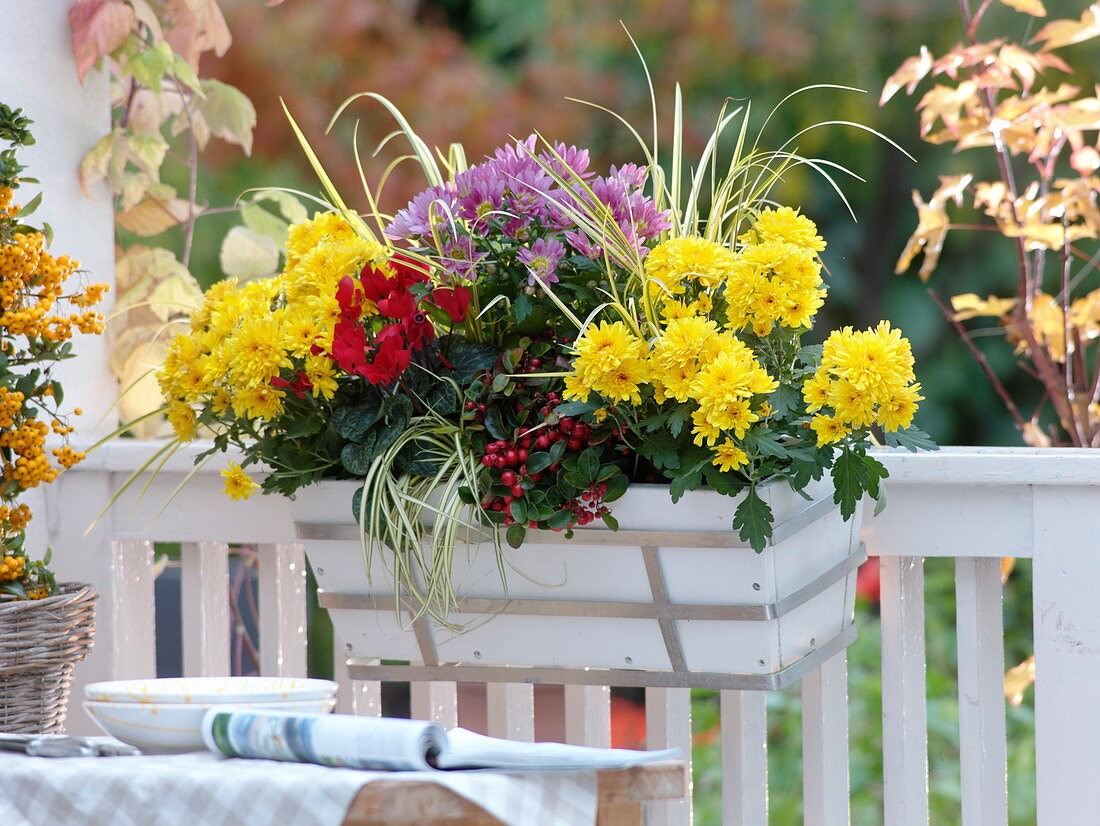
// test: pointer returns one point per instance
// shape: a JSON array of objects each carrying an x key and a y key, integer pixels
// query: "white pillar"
[{"x": 38, "y": 75}]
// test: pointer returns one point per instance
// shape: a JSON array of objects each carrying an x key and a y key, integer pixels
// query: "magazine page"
[
  {"x": 468, "y": 750},
  {"x": 328, "y": 739}
]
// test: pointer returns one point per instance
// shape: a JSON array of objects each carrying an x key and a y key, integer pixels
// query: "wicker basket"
[{"x": 40, "y": 642}]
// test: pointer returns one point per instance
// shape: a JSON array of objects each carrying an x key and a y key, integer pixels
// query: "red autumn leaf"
[
  {"x": 197, "y": 26},
  {"x": 99, "y": 27}
]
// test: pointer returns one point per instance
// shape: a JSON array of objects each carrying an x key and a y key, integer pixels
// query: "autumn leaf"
[
  {"x": 969, "y": 305},
  {"x": 96, "y": 164},
  {"x": 99, "y": 27},
  {"x": 155, "y": 215},
  {"x": 1032, "y": 7},
  {"x": 928, "y": 237},
  {"x": 197, "y": 26},
  {"x": 1059, "y": 33},
  {"x": 946, "y": 103},
  {"x": 911, "y": 72}
]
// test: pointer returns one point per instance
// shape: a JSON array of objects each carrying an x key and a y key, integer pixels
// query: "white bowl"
[
  {"x": 209, "y": 690},
  {"x": 165, "y": 728}
]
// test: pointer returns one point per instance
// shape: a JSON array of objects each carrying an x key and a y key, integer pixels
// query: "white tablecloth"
[{"x": 201, "y": 789}]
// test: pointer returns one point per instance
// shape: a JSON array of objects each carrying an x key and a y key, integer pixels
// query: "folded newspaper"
[{"x": 396, "y": 744}]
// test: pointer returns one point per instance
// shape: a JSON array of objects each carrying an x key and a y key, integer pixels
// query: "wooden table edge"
[{"x": 423, "y": 802}]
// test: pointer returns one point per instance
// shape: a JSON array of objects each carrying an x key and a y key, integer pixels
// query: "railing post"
[
  {"x": 1065, "y": 582},
  {"x": 282, "y": 609}
]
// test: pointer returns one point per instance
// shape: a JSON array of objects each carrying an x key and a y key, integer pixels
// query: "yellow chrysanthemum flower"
[
  {"x": 319, "y": 371},
  {"x": 260, "y": 402},
  {"x": 829, "y": 429},
  {"x": 683, "y": 341},
  {"x": 896, "y": 412},
  {"x": 182, "y": 418},
  {"x": 670, "y": 266},
  {"x": 238, "y": 484},
  {"x": 728, "y": 456},
  {"x": 786, "y": 225}
]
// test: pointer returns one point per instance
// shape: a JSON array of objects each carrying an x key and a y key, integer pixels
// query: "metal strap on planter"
[
  {"x": 359, "y": 669},
  {"x": 660, "y": 609}
]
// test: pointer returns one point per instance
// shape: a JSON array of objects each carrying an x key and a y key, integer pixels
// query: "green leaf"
[
  {"x": 356, "y": 457},
  {"x": 494, "y": 423},
  {"x": 303, "y": 426},
  {"x": 688, "y": 477},
  {"x": 764, "y": 443},
  {"x": 785, "y": 399},
  {"x": 677, "y": 418},
  {"x": 851, "y": 479},
  {"x": 229, "y": 113},
  {"x": 522, "y": 307},
  {"x": 147, "y": 151},
  {"x": 516, "y": 534},
  {"x": 418, "y": 458},
  {"x": 185, "y": 74},
  {"x": 262, "y": 222},
  {"x": 500, "y": 381},
  {"x": 662, "y": 449},
  {"x": 354, "y": 422},
  {"x": 588, "y": 465},
  {"x": 30, "y": 207},
  {"x": 150, "y": 65},
  {"x": 616, "y": 487},
  {"x": 557, "y": 450},
  {"x": 610, "y": 521},
  {"x": 810, "y": 355},
  {"x": 538, "y": 462},
  {"x": 912, "y": 439},
  {"x": 58, "y": 393},
  {"x": 577, "y": 408},
  {"x": 468, "y": 357},
  {"x": 560, "y": 519},
  {"x": 753, "y": 520}
]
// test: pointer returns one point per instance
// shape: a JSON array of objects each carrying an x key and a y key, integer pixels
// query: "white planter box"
[{"x": 672, "y": 590}]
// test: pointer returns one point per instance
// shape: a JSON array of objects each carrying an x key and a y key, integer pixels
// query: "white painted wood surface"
[
  {"x": 510, "y": 710},
  {"x": 904, "y": 703},
  {"x": 668, "y": 726},
  {"x": 744, "y": 758},
  {"x": 133, "y": 610},
  {"x": 204, "y": 608},
  {"x": 588, "y": 715},
  {"x": 825, "y": 744},
  {"x": 981, "y": 660},
  {"x": 438, "y": 702},
  {"x": 1066, "y": 587},
  {"x": 361, "y": 697},
  {"x": 282, "y": 587}
]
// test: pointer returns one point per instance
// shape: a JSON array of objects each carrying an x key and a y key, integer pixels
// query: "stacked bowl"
[{"x": 165, "y": 715}]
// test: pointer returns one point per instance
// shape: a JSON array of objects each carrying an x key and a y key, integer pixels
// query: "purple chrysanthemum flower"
[
  {"x": 631, "y": 174},
  {"x": 582, "y": 244},
  {"x": 541, "y": 259},
  {"x": 573, "y": 162},
  {"x": 461, "y": 258},
  {"x": 484, "y": 199},
  {"x": 432, "y": 207}
]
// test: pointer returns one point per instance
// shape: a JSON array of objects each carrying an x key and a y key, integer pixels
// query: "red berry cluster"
[
  {"x": 510, "y": 458},
  {"x": 590, "y": 504}
]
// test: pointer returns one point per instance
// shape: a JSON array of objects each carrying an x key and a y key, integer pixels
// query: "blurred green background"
[{"x": 477, "y": 71}]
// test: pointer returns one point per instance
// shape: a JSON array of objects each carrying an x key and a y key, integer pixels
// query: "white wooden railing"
[{"x": 974, "y": 505}]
